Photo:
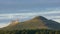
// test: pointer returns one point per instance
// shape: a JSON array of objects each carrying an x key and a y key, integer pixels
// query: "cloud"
[
  {"x": 4, "y": 24},
  {"x": 53, "y": 17},
  {"x": 48, "y": 14},
  {"x": 57, "y": 20}
]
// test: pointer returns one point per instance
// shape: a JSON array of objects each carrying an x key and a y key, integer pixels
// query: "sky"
[{"x": 27, "y": 9}]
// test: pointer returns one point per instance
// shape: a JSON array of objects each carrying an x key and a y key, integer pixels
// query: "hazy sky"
[{"x": 25, "y": 9}]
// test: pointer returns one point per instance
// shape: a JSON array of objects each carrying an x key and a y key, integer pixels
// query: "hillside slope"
[{"x": 38, "y": 22}]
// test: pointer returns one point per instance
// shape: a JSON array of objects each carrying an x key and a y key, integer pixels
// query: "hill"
[{"x": 38, "y": 22}]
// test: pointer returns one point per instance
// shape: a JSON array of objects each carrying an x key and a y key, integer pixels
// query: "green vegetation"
[{"x": 41, "y": 31}]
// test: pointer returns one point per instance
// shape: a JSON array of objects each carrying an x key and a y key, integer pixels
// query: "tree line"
[{"x": 37, "y": 31}]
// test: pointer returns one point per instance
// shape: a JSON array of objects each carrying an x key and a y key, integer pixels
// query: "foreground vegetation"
[{"x": 42, "y": 31}]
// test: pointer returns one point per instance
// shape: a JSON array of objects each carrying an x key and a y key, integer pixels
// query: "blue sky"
[{"x": 26, "y": 9}]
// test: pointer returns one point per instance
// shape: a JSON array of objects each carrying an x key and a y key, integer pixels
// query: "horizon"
[{"x": 26, "y": 9}]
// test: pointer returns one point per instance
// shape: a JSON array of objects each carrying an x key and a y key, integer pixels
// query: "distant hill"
[{"x": 38, "y": 22}]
